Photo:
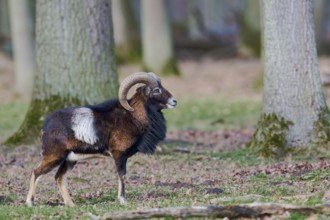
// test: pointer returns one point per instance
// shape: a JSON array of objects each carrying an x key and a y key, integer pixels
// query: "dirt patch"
[{"x": 216, "y": 141}]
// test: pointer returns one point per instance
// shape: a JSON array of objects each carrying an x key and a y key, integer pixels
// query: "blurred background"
[{"x": 215, "y": 46}]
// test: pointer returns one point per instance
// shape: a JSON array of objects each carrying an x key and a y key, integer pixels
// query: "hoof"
[
  {"x": 123, "y": 201},
  {"x": 69, "y": 204},
  {"x": 29, "y": 203}
]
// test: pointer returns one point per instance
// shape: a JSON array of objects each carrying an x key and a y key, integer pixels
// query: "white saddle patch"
[{"x": 83, "y": 125}]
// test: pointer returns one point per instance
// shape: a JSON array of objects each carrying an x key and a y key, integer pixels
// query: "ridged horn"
[
  {"x": 131, "y": 80},
  {"x": 155, "y": 76}
]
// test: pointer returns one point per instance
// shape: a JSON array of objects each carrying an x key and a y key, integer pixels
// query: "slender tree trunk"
[
  {"x": 23, "y": 44},
  {"x": 75, "y": 60},
  {"x": 196, "y": 27},
  {"x": 215, "y": 14},
  {"x": 322, "y": 19},
  {"x": 126, "y": 32},
  {"x": 5, "y": 42},
  {"x": 250, "y": 36},
  {"x": 158, "y": 55},
  {"x": 319, "y": 17},
  {"x": 294, "y": 108}
]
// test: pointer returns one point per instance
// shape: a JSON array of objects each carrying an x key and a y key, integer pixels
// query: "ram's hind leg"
[
  {"x": 120, "y": 161},
  {"x": 47, "y": 164},
  {"x": 61, "y": 181}
]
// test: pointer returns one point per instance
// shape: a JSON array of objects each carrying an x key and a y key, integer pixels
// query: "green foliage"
[{"x": 269, "y": 139}]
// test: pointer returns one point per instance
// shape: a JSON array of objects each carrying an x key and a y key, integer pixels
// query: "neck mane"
[{"x": 156, "y": 131}]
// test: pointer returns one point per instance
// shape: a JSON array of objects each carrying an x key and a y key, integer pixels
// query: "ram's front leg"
[{"x": 120, "y": 161}]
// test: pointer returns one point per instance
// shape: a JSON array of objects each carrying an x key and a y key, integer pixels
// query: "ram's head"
[{"x": 152, "y": 90}]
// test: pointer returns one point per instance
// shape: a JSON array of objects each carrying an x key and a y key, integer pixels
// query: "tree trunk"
[
  {"x": 75, "y": 60},
  {"x": 23, "y": 44},
  {"x": 250, "y": 36},
  {"x": 319, "y": 17},
  {"x": 294, "y": 108},
  {"x": 126, "y": 33},
  {"x": 5, "y": 42},
  {"x": 158, "y": 55}
]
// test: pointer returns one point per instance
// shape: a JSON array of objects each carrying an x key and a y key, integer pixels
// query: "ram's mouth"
[{"x": 171, "y": 103}]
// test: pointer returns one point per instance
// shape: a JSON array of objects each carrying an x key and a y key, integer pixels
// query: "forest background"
[{"x": 209, "y": 55}]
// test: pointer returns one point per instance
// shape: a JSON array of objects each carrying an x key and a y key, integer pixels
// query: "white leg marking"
[
  {"x": 32, "y": 190},
  {"x": 123, "y": 200},
  {"x": 121, "y": 191}
]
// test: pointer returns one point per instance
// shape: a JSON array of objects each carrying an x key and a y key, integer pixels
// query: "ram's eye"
[{"x": 157, "y": 91}]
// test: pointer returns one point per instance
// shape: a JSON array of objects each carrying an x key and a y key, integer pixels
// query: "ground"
[{"x": 202, "y": 161}]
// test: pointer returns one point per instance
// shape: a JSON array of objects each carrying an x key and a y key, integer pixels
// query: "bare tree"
[
  {"x": 157, "y": 45},
  {"x": 23, "y": 44},
  {"x": 294, "y": 108},
  {"x": 75, "y": 60}
]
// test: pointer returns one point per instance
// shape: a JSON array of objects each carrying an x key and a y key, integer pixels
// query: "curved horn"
[
  {"x": 131, "y": 80},
  {"x": 155, "y": 76}
]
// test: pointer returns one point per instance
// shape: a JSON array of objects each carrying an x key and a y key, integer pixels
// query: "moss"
[
  {"x": 129, "y": 53},
  {"x": 269, "y": 139},
  {"x": 321, "y": 131},
  {"x": 29, "y": 131},
  {"x": 170, "y": 68}
]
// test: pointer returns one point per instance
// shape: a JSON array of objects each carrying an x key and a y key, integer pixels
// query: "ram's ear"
[{"x": 147, "y": 90}]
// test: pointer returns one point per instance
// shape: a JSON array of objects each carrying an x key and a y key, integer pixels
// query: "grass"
[
  {"x": 216, "y": 169},
  {"x": 212, "y": 115},
  {"x": 11, "y": 116}
]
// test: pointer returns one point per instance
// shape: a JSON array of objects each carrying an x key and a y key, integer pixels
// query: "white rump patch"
[{"x": 83, "y": 125}]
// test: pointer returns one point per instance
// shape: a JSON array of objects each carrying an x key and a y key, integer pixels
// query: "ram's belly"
[{"x": 72, "y": 156}]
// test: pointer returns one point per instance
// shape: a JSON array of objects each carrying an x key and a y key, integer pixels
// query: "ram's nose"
[
  {"x": 171, "y": 103},
  {"x": 175, "y": 102}
]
